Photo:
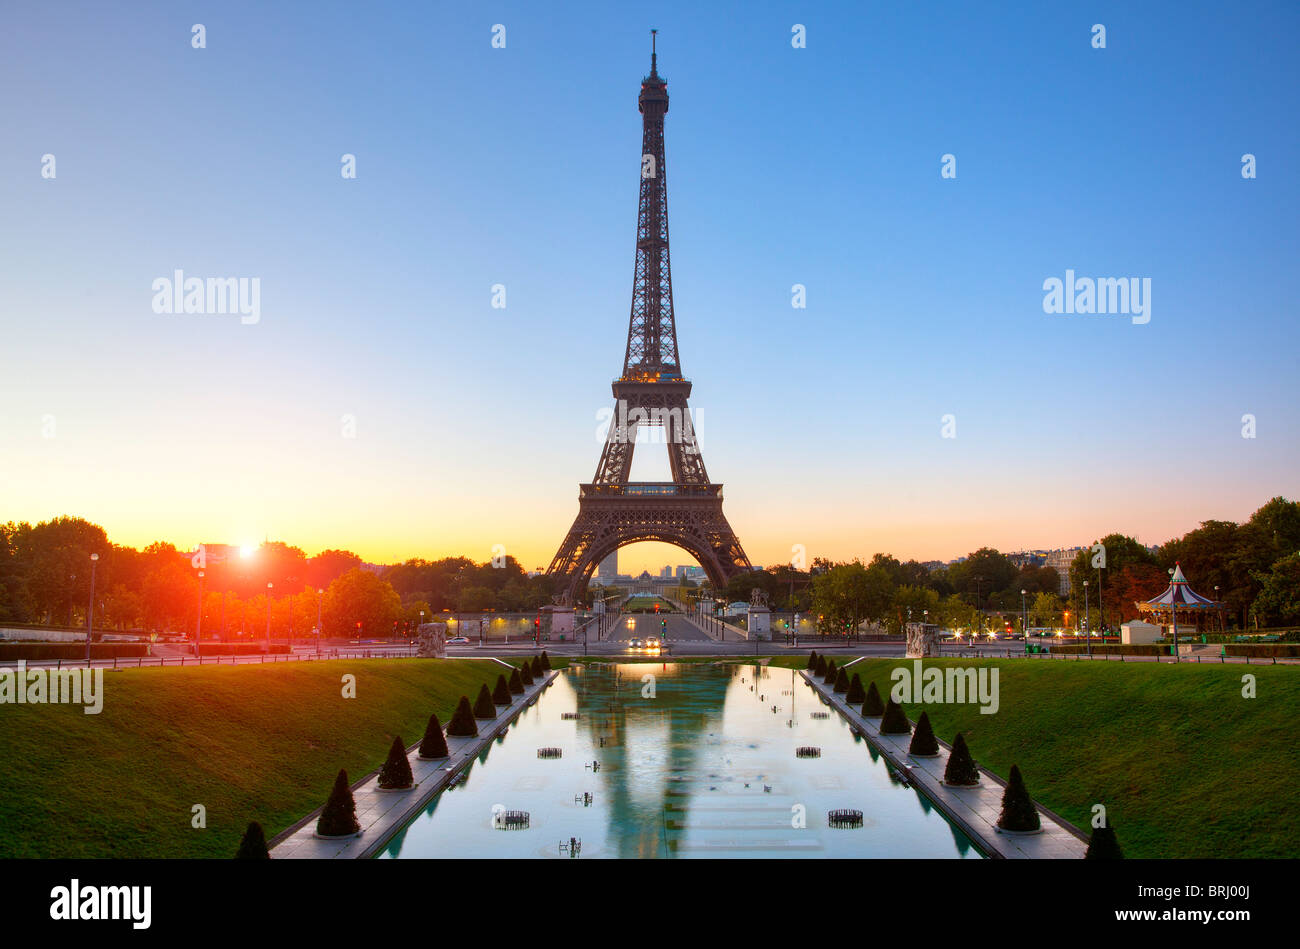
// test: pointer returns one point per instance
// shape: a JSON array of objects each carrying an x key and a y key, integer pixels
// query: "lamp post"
[
  {"x": 90, "y": 613},
  {"x": 1087, "y": 614},
  {"x": 198, "y": 624},
  {"x": 1024, "y": 618},
  {"x": 320, "y": 595},
  {"x": 268, "y": 615}
]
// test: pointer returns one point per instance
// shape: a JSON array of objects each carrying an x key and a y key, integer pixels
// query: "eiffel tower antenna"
[{"x": 613, "y": 510}]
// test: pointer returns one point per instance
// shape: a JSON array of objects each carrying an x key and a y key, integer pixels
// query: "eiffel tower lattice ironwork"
[{"x": 614, "y": 511}]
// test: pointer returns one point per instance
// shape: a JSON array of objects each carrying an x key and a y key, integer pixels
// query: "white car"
[{"x": 458, "y": 641}]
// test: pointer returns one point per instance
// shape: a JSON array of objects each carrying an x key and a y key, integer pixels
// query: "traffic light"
[{"x": 656, "y": 607}]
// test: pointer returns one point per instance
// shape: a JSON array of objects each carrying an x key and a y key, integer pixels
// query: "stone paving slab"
[
  {"x": 382, "y": 813},
  {"x": 974, "y": 810}
]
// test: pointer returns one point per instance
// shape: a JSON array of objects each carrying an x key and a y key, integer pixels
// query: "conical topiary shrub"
[
  {"x": 546, "y": 661},
  {"x": 924, "y": 744},
  {"x": 339, "y": 817},
  {"x": 841, "y": 681},
  {"x": 961, "y": 770},
  {"x": 434, "y": 744},
  {"x": 253, "y": 844},
  {"x": 483, "y": 705},
  {"x": 525, "y": 676},
  {"x": 819, "y": 669},
  {"x": 501, "y": 694},
  {"x": 829, "y": 678},
  {"x": 1102, "y": 845},
  {"x": 396, "y": 775},
  {"x": 1018, "y": 811},
  {"x": 894, "y": 722},
  {"x": 812, "y": 661},
  {"x": 872, "y": 707},
  {"x": 516, "y": 683},
  {"x": 462, "y": 723},
  {"x": 855, "y": 695},
  {"x": 535, "y": 668}
]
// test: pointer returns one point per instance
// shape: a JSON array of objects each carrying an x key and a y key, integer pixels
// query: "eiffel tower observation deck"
[{"x": 613, "y": 510}]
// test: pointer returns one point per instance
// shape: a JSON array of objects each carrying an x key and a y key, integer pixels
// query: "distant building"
[
  {"x": 1060, "y": 560},
  {"x": 666, "y": 572},
  {"x": 608, "y": 568}
]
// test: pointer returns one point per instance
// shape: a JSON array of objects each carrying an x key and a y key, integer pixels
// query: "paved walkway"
[
  {"x": 974, "y": 810},
  {"x": 383, "y": 813}
]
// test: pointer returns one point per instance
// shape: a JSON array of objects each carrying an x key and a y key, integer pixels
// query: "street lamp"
[
  {"x": 198, "y": 624},
  {"x": 320, "y": 595},
  {"x": 1087, "y": 617},
  {"x": 90, "y": 614},
  {"x": 269, "y": 584},
  {"x": 1024, "y": 618}
]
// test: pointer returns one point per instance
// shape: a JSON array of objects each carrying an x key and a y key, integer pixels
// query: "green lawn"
[
  {"x": 1184, "y": 765},
  {"x": 248, "y": 742}
]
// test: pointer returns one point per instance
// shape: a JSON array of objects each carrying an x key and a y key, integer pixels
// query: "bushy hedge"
[
  {"x": 1018, "y": 811},
  {"x": 961, "y": 770},
  {"x": 525, "y": 675},
  {"x": 36, "y": 652},
  {"x": 434, "y": 743},
  {"x": 819, "y": 670},
  {"x": 923, "y": 740},
  {"x": 1103, "y": 844},
  {"x": 340, "y": 814},
  {"x": 829, "y": 677},
  {"x": 396, "y": 772},
  {"x": 812, "y": 661},
  {"x": 894, "y": 721},
  {"x": 872, "y": 706},
  {"x": 546, "y": 661},
  {"x": 462, "y": 723},
  {"x": 501, "y": 694},
  {"x": 856, "y": 694},
  {"x": 240, "y": 649},
  {"x": 252, "y": 846},
  {"x": 516, "y": 683},
  {"x": 1263, "y": 650},
  {"x": 841, "y": 681},
  {"x": 484, "y": 707}
]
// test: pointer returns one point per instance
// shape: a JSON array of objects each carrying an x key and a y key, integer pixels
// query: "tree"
[
  {"x": 252, "y": 846},
  {"x": 1278, "y": 602},
  {"x": 396, "y": 772},
  {"x": 1046, "y": 610},
  {"x": 516, "y": 683},
  {"x": 812, "y": 661},
  {"x": 841, "y": 681},
  {"x": 339, "y": 817},
  {"x": 327, "y": 566},
  {"x": 501, "y": 694},
  {"x": 831, "y": 672},
  {"x": 1018, "y": 811},
  {"x": 483, "y": 704},
  {"x": 434, "y": 743},
  {"x": 872, "y": 707},
  {"x": 923, "y": 741},
  {"x": 894, "y": 721},
  {"x": 462, "y": 723},
  {"x": 961, "y": 770},
  {"x": 525, "y": 674},
  {"x": 1103, "y": 844},
  {"x": 360, "y": 597},
  {"x": 546, "y": 661},
  {"x": 856, "y": 695}
]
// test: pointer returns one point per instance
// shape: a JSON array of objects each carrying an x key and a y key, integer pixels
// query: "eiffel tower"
[{"x": 613, "y": 511}]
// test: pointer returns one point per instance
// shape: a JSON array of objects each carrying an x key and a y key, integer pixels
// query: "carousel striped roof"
[{"x": 1180, "y": 595}]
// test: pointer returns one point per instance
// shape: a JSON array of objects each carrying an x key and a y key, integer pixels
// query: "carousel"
[{"x": 1180, "y": 608}]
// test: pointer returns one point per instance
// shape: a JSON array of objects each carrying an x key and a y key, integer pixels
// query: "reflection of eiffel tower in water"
[{"x": 614, "y": 511}]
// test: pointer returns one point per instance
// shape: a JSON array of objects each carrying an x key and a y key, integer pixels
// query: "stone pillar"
[{"x": 433, "y": 640}]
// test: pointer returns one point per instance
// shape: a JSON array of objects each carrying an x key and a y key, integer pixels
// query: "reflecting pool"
[{"x": 679, "y": 760}]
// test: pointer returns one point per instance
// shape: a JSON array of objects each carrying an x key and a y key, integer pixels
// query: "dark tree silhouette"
[
  {"x": 396, "y": 772},
  {"x": 434, "y": 744},
  {"x": 961, "y": 769},
  {"x": 253, "y": 844},
  {"x": 339, "y": 817},
  {"x": 1018, "y": 811}
]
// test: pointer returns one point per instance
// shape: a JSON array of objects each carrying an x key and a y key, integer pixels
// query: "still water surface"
[{"x": 697, "y": 762}]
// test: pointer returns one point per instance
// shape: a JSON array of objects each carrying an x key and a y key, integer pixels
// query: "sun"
[{"x": 247, "y": 550}]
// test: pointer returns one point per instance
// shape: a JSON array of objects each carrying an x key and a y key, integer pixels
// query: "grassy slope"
[
  {"x": 248, "y": 742},
  {"x": 1185, "y": 766}
]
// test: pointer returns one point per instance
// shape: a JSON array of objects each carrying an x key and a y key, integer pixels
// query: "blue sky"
[{"x": 518, "y": 166}]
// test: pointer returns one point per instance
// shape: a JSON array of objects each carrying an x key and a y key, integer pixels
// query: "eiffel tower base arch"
[{"x": 613, "y": 516}]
